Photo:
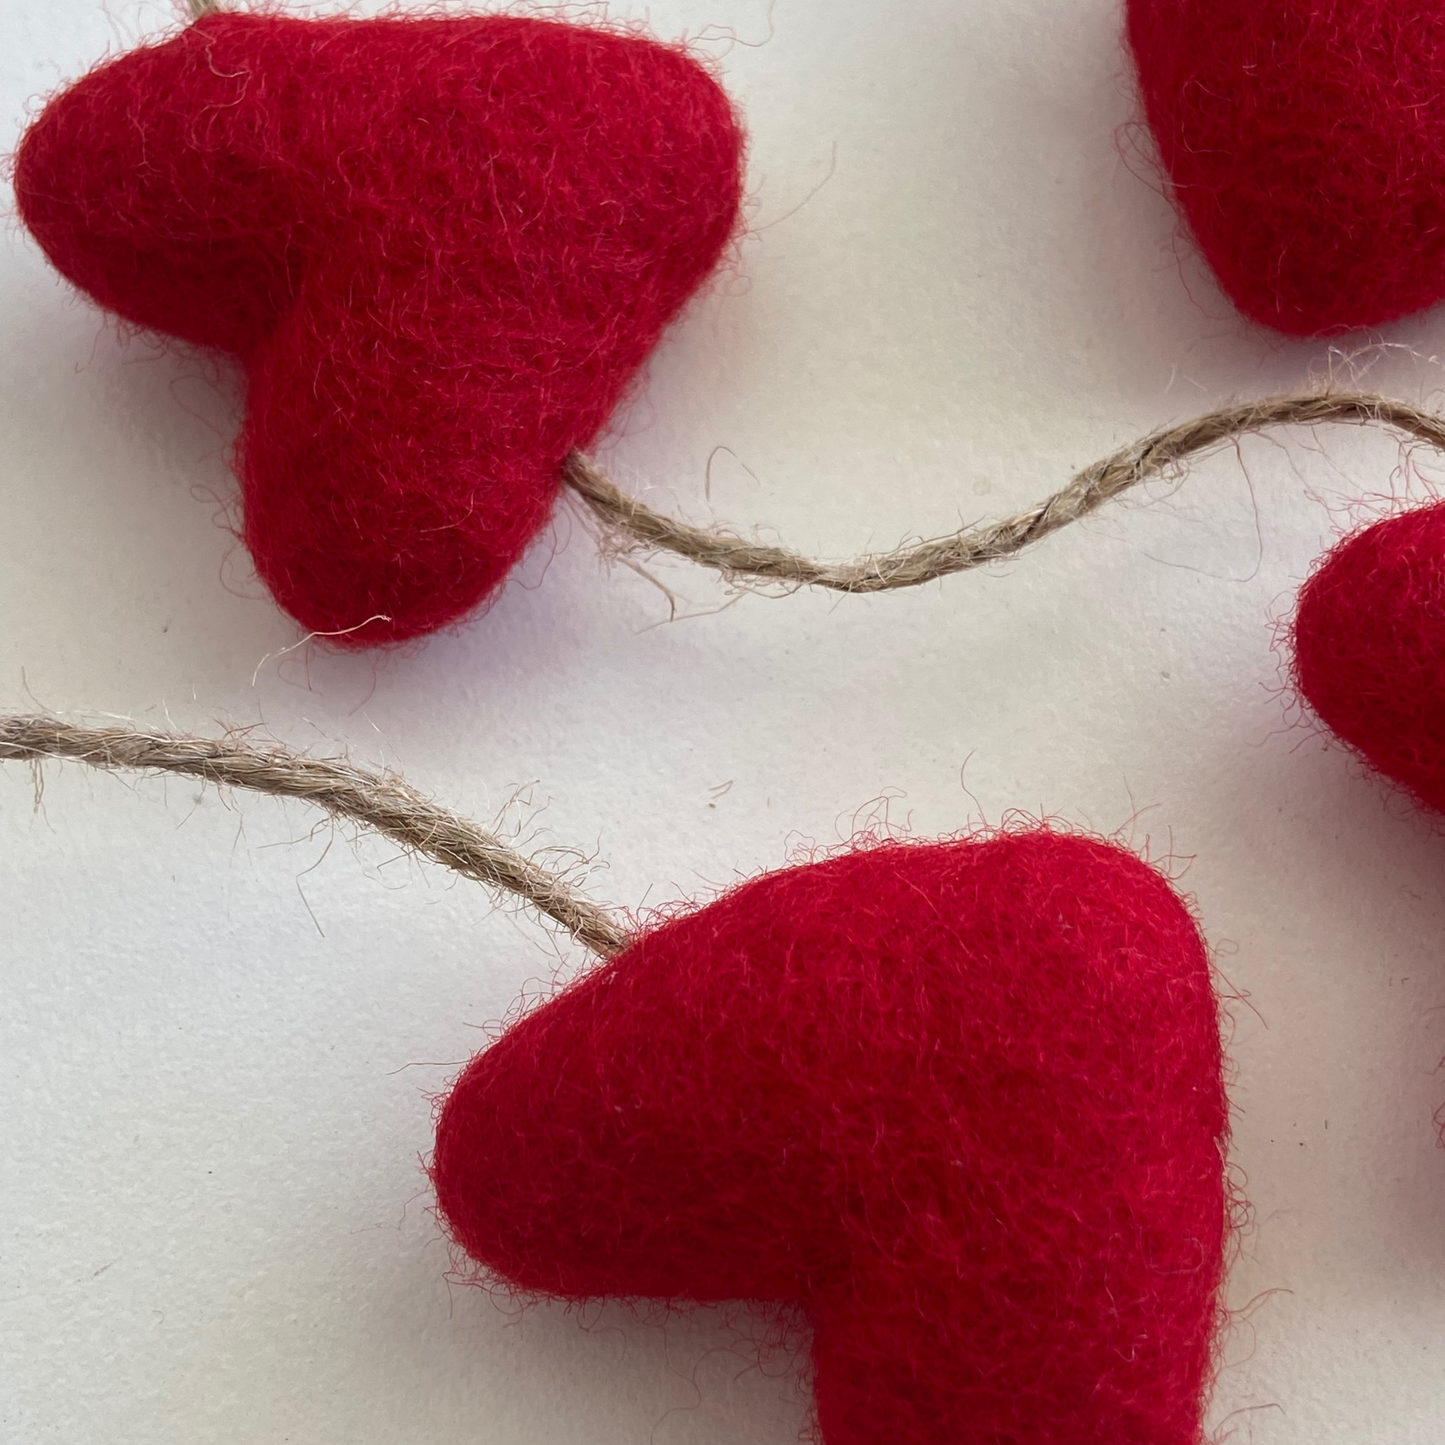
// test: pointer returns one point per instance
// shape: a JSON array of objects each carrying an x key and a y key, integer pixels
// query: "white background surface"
[{"x": 221, "y": 1027}]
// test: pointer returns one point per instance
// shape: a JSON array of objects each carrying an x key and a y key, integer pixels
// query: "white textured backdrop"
[{"x": 221, "y": 1027}]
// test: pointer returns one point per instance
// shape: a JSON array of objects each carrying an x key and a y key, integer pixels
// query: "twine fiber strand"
[
  {"x": 739, "y": 558},
  {"x": 377, "y": 800}
]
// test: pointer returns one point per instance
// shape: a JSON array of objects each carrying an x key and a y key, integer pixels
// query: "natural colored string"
[
  {"x": 378, "y": 800},
  {"x": 738, "y": 558}
]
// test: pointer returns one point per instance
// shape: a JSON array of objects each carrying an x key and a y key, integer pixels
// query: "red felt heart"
[
  {"x": 1305, "y": 142},
  {"x": 1369, "y": 647},
  {"x": 441, "y": 247},
  {"x": 961, "y": 1102}
]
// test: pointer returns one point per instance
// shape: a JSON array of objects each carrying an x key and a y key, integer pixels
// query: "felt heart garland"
[
  {"x": 1304, "y": 142},
  {"x": 960, "y": 1103},
  {"x": 442, "y": 248}
]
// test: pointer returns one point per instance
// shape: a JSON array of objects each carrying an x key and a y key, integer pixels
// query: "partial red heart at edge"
[
  {"x": 1305, "y": 146},
  {"x": 1369, "y": 648},
  {"x": 441, "y": 247},
  {"x": 959, "y": 1103}
]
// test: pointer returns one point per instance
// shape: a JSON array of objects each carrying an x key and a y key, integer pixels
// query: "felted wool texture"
[
  {"x": 1369, "y": 648},
  {"x": 442, "y": 248},
  {"x": 962, "y": 1102},
  {"x": 1305, "y": 146}
]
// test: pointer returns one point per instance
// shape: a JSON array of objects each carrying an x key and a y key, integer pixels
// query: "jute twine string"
[
  {"x": 740, "y": 559},
  {"x": 377, "y": 800}
]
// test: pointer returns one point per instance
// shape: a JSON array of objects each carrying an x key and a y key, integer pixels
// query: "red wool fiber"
[
  {"x": 960, "y": 1102},
  {"x": 1305, "y": 143},
  {"x": 1369, "y": 648},
  {"x": 442, "y": 248}
]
